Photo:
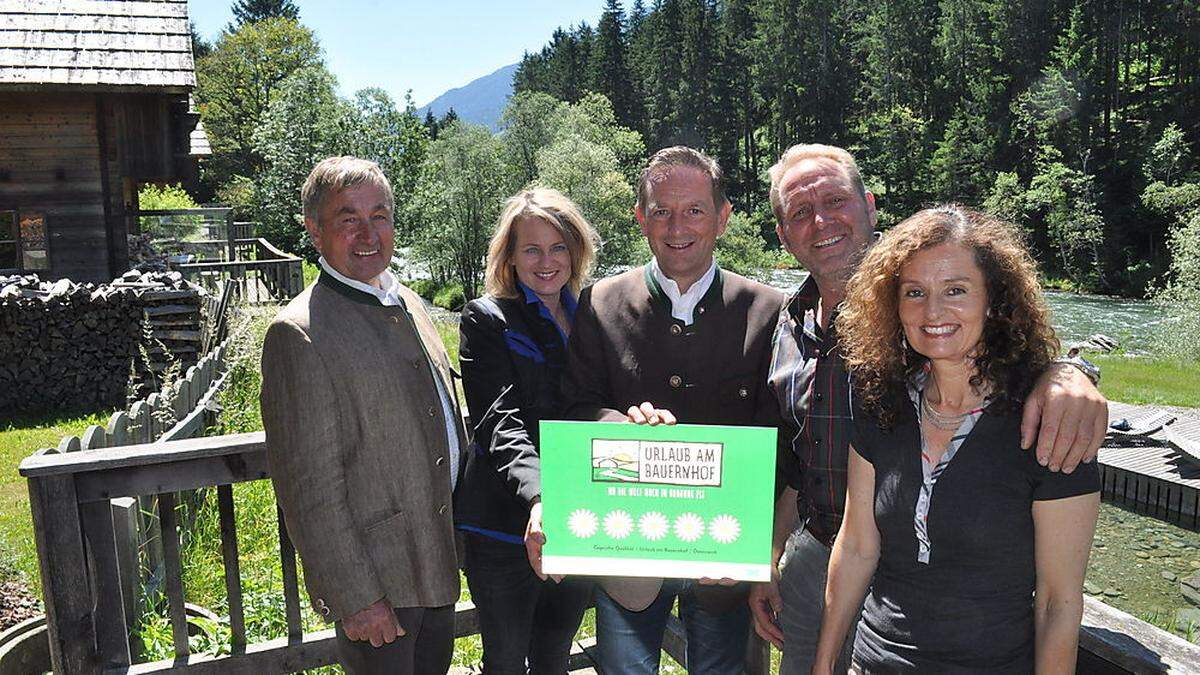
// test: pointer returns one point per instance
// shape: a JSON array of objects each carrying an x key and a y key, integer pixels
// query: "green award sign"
[{"x": 685, "y": 501}]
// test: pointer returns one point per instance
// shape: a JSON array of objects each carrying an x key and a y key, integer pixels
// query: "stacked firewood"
[{"x": 79, "y": 347}]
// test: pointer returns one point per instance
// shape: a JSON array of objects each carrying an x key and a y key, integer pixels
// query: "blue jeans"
[
  {"x": 629, "y": 643},
  {"x": 527, "y": 624},
  {"x": 803, "y": 571}
]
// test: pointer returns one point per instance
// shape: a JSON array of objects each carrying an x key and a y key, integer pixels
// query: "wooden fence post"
[{"x": 59, "y": 538}]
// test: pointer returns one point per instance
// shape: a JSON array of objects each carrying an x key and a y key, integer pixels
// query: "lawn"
[
  {"x": 18, "y": 439},
  {"x": 1152, "y": 381}
]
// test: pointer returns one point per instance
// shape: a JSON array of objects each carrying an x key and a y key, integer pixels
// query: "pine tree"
[
  {"x": 250, "y": 11},
  {"x": 609, "y": 69}
]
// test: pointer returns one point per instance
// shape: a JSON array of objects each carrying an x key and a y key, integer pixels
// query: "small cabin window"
[
  {"x": 8, "y": 240},
  {"x": 34, "y": 253},
  {"x": 23, "y": 241}
]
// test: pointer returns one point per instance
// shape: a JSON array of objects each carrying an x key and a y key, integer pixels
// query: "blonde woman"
[{"x": 513, "y": 349}]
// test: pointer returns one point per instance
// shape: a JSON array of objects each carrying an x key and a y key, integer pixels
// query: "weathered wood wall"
[
  {"x": 50, "y": 163},
  {"x": 80, "y": 158}
]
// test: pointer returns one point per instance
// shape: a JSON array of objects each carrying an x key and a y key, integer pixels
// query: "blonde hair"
[
  {"x": 555, "y": 208},
  {"x": 335, "y": 174},
  {"x": 1018, "y": 341},
  {"x": 802, "y": 151}
]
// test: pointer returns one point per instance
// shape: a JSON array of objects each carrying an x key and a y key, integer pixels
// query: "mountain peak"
[{"x": 480, "y": 101}]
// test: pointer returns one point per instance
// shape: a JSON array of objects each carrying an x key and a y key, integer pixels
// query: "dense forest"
[
  {"x": 1076, "y": 119},
  {"x": 1062, "y": 114}
]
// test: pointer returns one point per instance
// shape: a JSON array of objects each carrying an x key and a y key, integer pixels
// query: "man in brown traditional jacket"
[
  {"x": 363, "y": 436},
  {"x": 677, "y": 339}
]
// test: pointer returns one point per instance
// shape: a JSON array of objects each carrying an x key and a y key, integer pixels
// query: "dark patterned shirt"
[{"x": 809, "y": 380}]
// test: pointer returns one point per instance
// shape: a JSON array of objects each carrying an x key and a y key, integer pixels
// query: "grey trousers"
[{"x": 803, "y": 570}]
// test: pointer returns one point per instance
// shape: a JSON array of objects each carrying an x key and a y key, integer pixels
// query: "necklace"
[{"x": 940, "y": 420}]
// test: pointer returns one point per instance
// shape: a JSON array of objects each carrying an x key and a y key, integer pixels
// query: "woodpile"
[{"x": 82, "y": 348}]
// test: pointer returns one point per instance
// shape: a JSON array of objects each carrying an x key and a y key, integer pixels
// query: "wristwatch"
[{"x": 1086, "y": 367}]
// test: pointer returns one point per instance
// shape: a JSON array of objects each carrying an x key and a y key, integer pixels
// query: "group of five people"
[{"x": 929, "y": 365}]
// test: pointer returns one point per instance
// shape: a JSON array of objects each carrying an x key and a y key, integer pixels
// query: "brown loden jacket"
[
  {"x": 626, "y": 348},
  {"x": 357, "y": 447}
]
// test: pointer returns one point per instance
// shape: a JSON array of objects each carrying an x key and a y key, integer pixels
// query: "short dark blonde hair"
[
  {"x": 335, "y": 174},
  {"x": 681, "y": 155},
  {"x": 1018, "y": 342},
  {"x": 802, "y": 151},
  {"x": 555, "y": 208}
]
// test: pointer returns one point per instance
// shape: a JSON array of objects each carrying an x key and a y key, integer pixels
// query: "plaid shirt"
[{"x": 810, "y": 382}]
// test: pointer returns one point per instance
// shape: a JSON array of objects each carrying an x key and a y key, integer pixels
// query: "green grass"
[
  {"x": 18, "y": 439},
  {"x": 1152, "y": 381}
]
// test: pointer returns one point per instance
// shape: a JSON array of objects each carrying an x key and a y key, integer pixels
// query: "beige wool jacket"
[{"x": 357, "y": 446}]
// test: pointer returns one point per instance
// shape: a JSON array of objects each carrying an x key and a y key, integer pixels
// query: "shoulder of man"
[
  {"x": 296, "y": 312},
  {"x": 623, "y": 287}
]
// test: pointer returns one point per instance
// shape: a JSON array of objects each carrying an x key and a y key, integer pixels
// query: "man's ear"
[
  {"x": 870, "y": 197},
  {"x": 723, "y": 217},
  {"x": 314, "y": 232},
  {"x": 641, "y": 218}
]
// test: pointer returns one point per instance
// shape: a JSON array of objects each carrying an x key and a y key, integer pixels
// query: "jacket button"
[
  {"x": 675, "y": 381},
  {"x": 676, "y": 329},
  {"x": 442, "y": 510},
  {"x": 432, "y": 412},
  {"x": 439, "y": 461},
  {"x": 416, "y": 363},
  {"x": 743, "y": 392},
  {"x": 699, "y": 310}
]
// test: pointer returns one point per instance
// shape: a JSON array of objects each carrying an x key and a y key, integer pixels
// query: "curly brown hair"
[{"x": 1018, "y": 342}]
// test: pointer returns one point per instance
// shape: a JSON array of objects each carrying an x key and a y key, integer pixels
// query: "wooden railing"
[
  {"x": 86, "y": 611},
  {"x": 260, "y": 273}
]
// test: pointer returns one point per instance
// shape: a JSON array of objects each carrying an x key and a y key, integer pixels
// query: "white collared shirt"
[
  {"x": 683, "y": 305},
  {"x": 389, "y": 296}
]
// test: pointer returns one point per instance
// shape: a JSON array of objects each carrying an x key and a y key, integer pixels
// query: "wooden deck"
[{"x": 1146, "y": 472}]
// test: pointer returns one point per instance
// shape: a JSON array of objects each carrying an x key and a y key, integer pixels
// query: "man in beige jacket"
[{"x": 364, "y": 436}]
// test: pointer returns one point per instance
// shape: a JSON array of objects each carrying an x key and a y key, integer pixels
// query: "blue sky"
[{"x": 427, "y": 47}]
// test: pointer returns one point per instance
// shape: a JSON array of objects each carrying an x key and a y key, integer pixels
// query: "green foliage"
[
  {"x": 450, "y": 297},
  {"x": 456, "y": 202},
  {"x": 1007, "y": 198},
  {"x": 1181, "y": 293},
  {"x": 306, "y": 123},
  {"x": 1169, "y": 157},
  {"x": 238, "y": 81},
  {"x": 742, "y": 248},
  {"x": 1065, "y": 199},
  {"x": 250, "y": 11},
  {"x": 394, "y": 138},
  {"x": 153, "y": 197}
]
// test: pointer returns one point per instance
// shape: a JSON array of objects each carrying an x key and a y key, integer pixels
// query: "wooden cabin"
[{"x": 94, "y": 101}]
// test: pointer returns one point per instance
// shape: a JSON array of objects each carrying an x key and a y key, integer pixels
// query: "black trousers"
[
  {"x": 425, "y": 649},
  {"x": 521, "y": 617}
]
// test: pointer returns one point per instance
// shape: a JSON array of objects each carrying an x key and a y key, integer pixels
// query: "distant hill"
[{"x": 481, "y": 101}]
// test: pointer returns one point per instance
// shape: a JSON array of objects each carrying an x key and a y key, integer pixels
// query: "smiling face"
[
  {"x": 681, "y": 222},
  {"x": 354, "y": 232},
  {"x": 541, "y": 258},
  {"x": 824, "y": 221},
  {"x": 943, "y": 301}
]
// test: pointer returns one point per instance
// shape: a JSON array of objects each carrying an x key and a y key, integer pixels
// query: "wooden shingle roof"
[{"x": 128, "y": 44}]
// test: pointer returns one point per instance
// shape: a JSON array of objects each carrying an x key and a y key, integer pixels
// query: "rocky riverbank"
[{"x": 1148, "y": 568}]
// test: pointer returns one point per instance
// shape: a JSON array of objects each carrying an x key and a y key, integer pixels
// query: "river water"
[{"x": 1076, "y": 317}]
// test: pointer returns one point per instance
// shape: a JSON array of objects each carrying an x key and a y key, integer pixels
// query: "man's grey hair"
[
  {"x": 681, "y": 155},
  {"x": 334, "y": 174},
  {"x": 802, "y": 151}
]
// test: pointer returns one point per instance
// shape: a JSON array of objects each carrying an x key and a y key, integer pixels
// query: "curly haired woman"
[{"x": 974, "y": 553}]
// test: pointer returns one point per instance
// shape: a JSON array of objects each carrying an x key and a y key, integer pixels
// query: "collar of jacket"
[
  {"x": 659, "y": 297},
  {"x": 329, "y": 281}
]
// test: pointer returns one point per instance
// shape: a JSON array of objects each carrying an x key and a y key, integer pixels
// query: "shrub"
[{"x": 450, "y": 297}]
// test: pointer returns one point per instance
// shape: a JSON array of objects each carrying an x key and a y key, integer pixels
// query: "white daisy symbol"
[
  {"x": 582, "y": 523},
  {"x": 653, "y": 525},
  {"x": 618, "y": 524},
  {"x": 725, "y": 529},
  {"x": 689, "y": 527}
]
